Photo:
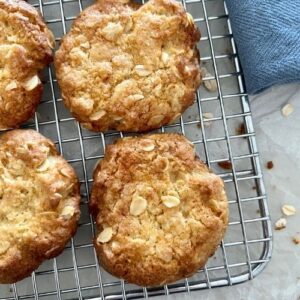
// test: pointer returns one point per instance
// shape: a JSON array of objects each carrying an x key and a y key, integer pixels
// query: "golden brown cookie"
[
  {"x": 25, "y": 49},
  {"x": 160, "y": 212},
  {"x": 128, "y": 67},
  {"x": 39, "y": 203}
]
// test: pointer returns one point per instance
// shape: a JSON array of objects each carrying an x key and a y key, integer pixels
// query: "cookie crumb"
[
  {"x": 296, "y": 240},
  {"x": 227, "y": 50},
  {"x": 211, "y": 84},
  {"x": 270, "y": 165},
  {"x": 227, "y": 165},
  {"x": 241, "y": 129},
  {"x": 199, "y": 125},
  {"x": 287, "y": 110},
  {"x": 288, "y": 210},
  {"x": 207, "y": 116},
  {"x": 280, "y": 224}
]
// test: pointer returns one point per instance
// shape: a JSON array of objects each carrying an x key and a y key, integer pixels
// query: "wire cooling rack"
[{"x": 246, "y": 248}]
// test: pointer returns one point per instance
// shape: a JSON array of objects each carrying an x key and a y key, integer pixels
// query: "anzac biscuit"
[
  {"x": 39, "y": 203},
  {"x": 128, "y": 67},
  {"x": 25, "y": 49},
  {"x": 160, "y": 212}
]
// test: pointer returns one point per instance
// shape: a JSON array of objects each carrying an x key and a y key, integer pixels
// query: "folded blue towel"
[{"x": 267, "y": 34}]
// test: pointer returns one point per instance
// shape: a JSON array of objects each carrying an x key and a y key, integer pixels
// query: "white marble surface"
[{"x": 278, "y": 140}]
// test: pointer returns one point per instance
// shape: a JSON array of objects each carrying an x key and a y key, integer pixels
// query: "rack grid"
[{"x": 247, "y": 245}]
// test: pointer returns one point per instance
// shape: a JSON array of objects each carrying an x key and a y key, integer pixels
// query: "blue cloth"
[{"x": 267, "y": 34}]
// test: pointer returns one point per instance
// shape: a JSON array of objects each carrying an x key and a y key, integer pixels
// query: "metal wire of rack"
[{"x": 247, "y": 246}]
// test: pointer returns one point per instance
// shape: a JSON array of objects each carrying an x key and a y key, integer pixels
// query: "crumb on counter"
[
  {"x": 288, "y": 210},
  {"x": 270, "y": 165},
  {"x": 280, "y": 224},
  {"x": 209, "y": 84},
  {"x": 207, "y": 116},
  {"x": 287, "y": 110},
  {"x": 227, "y": 165},
  {"x": 241, "y": 129}
]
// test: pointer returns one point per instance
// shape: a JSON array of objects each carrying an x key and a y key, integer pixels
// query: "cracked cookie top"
[
  {"x": 160, "y": 212},
  {"x": 129, "y": 67}
]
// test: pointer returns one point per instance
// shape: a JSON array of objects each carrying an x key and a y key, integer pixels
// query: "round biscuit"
[
  {"x": 25, "y": 49},
  {"x": 39, "y": 203},
  {"x": 160, "y": 212},
  {"x": 128, "y": 67}
]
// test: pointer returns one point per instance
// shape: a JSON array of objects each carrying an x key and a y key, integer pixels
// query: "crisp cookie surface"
[
  {"x": 39, "y": 203},
  {"x": 25, "y": 49},
  {"x": 128, "y": 67},
  {"x": 160, "y": 212}
]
